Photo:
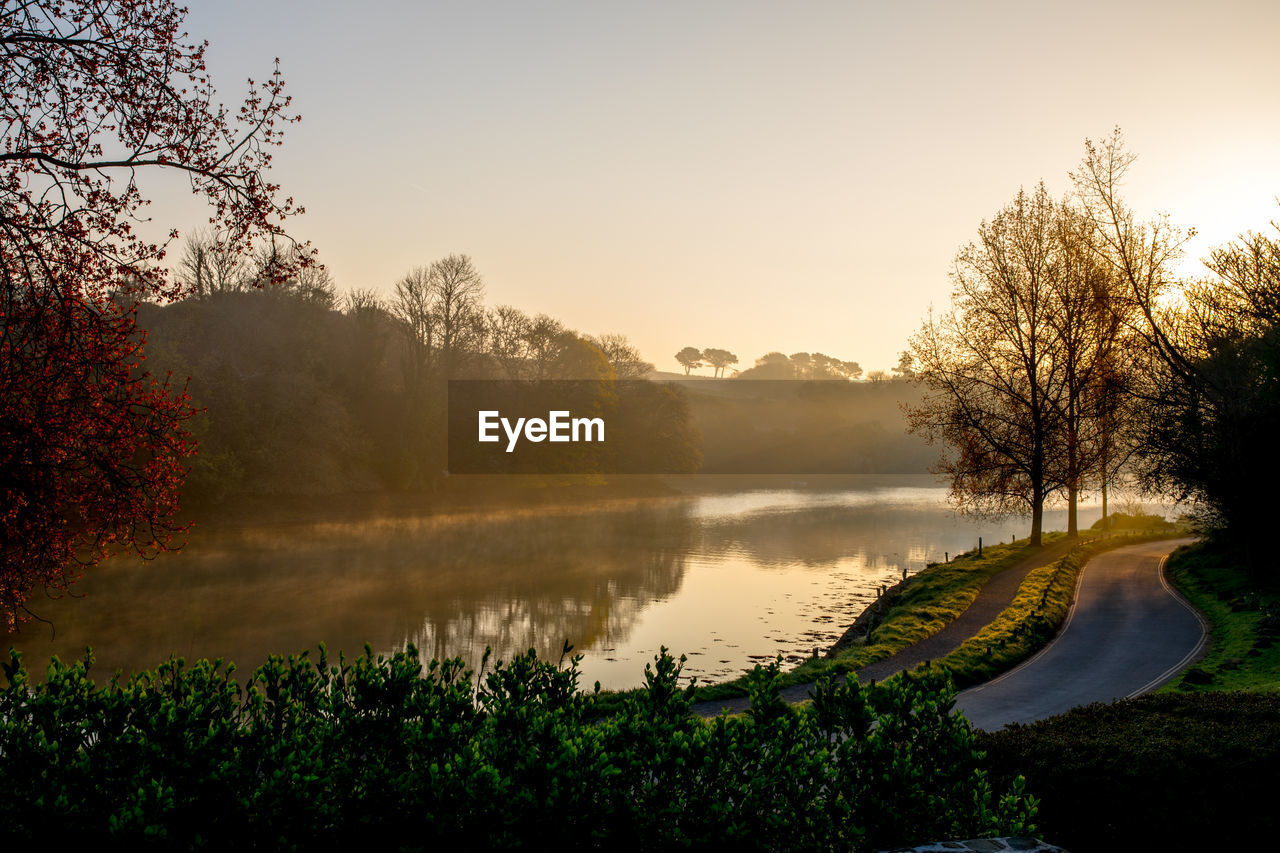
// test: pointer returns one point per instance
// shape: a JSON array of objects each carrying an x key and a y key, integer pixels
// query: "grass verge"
[
  {"x": 1245, "y": 620},
  {"x": 1036, "y": 614},
  {"x": 920, "y": 608}
]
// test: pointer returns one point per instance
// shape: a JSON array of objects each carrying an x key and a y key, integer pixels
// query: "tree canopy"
[
  {"x": 1014, "y": 367},
  {"x": 97, "y": 95},
  {"x": 1206, "y": 401}
]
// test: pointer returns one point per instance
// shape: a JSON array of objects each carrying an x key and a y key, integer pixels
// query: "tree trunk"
[
  {"x": 1073, "y": 455},
  {"x": 1104, "y": 504},
  {"x": 1037, "y": 517}
]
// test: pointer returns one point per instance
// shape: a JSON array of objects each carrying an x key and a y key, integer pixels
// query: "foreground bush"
[
  {"x": 385, "y": 751},
  {"x": 1162, "y": 772}
]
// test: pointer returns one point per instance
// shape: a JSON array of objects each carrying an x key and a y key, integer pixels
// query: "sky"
[{"x": 753, "y": 176}]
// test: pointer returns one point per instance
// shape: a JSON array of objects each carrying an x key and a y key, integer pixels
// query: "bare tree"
[
  {"x": 544, "y": 341},
  {"x": 1206, "y": 406},
  {"x": 363, "y": 302},
  {"x": 507, "y": 339},
  {"x": 1143, "y": 378},
  {"x": 1088, "y": 316},
  {"x": 1142, "y": 253},
  {"x": 412, "y": 305},
  {"x": 457, "y": 291},
  {"x": 279, "y": 267},
  {"x": 441, "y": 309},
  {"x": 625, "y": 358},
  {"x": 209, "y": 265},
  {"x": 990, "y": 369}
]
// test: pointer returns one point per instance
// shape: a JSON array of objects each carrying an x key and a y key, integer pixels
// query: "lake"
[{"x": 731, "y": 573}]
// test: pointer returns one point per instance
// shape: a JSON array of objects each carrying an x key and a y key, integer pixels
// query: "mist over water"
[{"x": 730, "y": 574}]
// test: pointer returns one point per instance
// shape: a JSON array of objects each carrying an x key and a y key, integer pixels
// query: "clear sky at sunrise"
[{"x": 752, "y": 176}]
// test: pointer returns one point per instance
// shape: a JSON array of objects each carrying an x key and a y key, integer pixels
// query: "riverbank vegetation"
[
  {"x": 1244, "y": 615},
  {"x": 317, "y": 756},
  {"x": 306, "y": 393},
  {"x": 99, "y": 100},
  {"x": 918, "y": 608}
]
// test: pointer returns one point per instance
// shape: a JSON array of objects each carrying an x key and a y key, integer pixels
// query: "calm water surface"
[{"x": 726, "y": 575}]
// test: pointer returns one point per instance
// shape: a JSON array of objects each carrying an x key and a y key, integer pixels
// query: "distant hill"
[
  {"x": 806, "y": 427},
  {"x": 668, "y": 376}
]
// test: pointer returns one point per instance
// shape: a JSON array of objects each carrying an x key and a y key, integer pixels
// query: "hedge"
[{"x": 389, "y": 752}]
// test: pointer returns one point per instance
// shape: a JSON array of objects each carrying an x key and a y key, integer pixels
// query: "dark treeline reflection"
[
  {"x": 731, "y": 573},
  {"x": 824, "y": 536},
  {"x": 452, "y": 584},
  {"x": 536, "y": 581}
]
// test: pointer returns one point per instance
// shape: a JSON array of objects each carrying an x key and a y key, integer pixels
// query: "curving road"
[{"x": 1127, "y": 633}]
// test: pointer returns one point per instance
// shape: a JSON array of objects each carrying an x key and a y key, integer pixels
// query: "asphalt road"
[{"x": 1127, "y": 634}]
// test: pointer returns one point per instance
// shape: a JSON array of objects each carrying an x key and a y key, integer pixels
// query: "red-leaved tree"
[{"x": 94, "y": 95}]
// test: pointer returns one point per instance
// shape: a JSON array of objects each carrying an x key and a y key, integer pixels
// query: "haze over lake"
[{"x": 730, "y": 574}]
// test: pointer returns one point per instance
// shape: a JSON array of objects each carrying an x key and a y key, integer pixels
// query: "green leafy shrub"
[{"x": 387, "y": 752}]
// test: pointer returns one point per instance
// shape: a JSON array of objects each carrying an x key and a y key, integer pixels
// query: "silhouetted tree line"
[
  {"x": 1072, "y": 353},
  {"x": 773, "y": 365},
  {"x": 719, "y": 360},
  {"x": 306, "y": 391},
  {"x": 801, "y": 365}
]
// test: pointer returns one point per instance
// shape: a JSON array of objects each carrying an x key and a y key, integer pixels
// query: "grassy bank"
[
  {"x": 1036, "y": 614},
  {"x": 1245, "y": 617},
  {"x": 918, "y": 608},
  {"x": 934, "y": 598},
  {"x": 921, "y": 607},
  {"x": 1193, "y": 766}
]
